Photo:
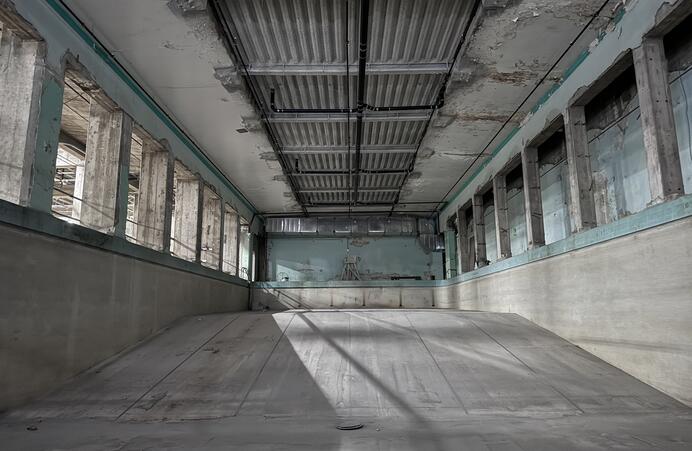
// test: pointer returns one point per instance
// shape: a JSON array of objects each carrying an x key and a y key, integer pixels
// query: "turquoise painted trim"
[
  {"x": 351, "y": 284},
  {"x": 654, "y": 216},
  {"x": 45, "y": 223},
  {"x": 67, "y": 16}
]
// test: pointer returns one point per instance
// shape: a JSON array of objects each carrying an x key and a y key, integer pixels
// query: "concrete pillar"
[
  {"x": 108, "y": 146},
  {"x": 252, "y": 258},
  {"x": 582, "y": 209},
  {"x": 78, "y": 192},
  {"x": 230, "y": 252},
  {"x": 188, "y": 202},
  {"x": 123, "y": 187},
  {"x": 211, "y": 229},
  {"x": 155, "y": 205},
  {"x": 450, "y": 254},
  {"x": 222, "y": 235},
  {"x": 658, "y": 122},
  {"x": 21, "y": 77},
  {"x": 47, "y": 139},
  {"x": 533, "y": 204},
  {"x": 479, "y": 230},
  {"x": 238, "y": 239},
  {"x": 463, "y": 250},
  {"x": 504, "y": 247}
]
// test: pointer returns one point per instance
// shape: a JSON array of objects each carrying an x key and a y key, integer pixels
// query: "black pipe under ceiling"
[
  {"x": 362, "y": 61},
  {"x": 266, "y": 104}
]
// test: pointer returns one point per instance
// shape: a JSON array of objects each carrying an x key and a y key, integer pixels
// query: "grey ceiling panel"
[{"x": 297, "y": 51}]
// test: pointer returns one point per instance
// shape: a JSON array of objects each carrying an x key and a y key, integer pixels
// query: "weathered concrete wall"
[
  {"x": 628, "y": 301},
  {"x": 368, "y": 297},
  {"x": 322, "y": 259},
  {"x": 65, "y": 307}
]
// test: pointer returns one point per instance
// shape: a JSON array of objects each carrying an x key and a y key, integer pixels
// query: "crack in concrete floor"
[{"x": 417, "y": 379}]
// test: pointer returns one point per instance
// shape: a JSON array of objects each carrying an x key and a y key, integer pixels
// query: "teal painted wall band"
[
  {"x": 67, "y": 16},
  {"x": 45, "y": 223}
]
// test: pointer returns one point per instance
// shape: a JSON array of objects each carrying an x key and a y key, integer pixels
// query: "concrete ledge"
[{"x": 38, "y": 221}]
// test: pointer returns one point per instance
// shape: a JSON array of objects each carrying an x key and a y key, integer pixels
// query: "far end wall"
[{"x": 322, "y": 259}]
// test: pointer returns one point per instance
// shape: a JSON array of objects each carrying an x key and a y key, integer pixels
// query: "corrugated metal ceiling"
[{"x": 298, "y": 49}]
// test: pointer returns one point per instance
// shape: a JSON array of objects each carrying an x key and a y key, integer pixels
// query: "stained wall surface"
[
  {"x": 322, "y": 259},
  {"x": 628, "y": 301},
  {"x": 65, "y": 307}
]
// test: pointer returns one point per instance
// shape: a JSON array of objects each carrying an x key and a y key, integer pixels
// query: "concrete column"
[
  {"x": 533, "y": 204},
  {"x": 108, "y": 144},
  {"x": 230, "y": 252},
  {"x": 187, "y": 218},
  {"x": 155, "y": 196},
  {"x": 237, "y": 245},
  {"x": 211, "y": 229},
  {"x": 21, "y": 77},
  {"x": 582, "y": 210},
  {"x": 504, "y": 245},
  {"x": 463, "y": 251},
  {"x": 252, "y": 257},
  {"x": 123, "y": 187},
  {"x": 450, "y": 254},
  {"x": 222, "y": 234},
  {"x": 78, "y": 192},
  {"x": 479, "y": 231},
  {"x": 658, "y": 122}
]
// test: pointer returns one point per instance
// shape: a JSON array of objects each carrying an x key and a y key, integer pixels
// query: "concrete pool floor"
[{"x": 415, "y": 379}]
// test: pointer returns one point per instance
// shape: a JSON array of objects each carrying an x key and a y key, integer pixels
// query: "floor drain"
[{"x": 349, "y": 426}]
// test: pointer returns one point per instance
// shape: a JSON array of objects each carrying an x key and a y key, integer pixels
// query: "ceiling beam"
[
  {"x": 260, "y": 69},
  {"x": 362, "y": 172},
  {"x": 382, "y": 148},
  {"x": 371, "y": 116},
  {"x": 346, "y": 190}
]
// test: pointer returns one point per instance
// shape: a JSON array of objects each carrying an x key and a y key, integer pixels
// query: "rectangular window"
[
  {"x": 616, "y": 146},
  {"x": 185, "y": 222},
  {"x": 68, "y": 183},
  {"x": 94, "y": 136},
  {"x": 678, "y": 45},
  {"x": 516, "y": 211},
  {"x": 554, "y": 174}
]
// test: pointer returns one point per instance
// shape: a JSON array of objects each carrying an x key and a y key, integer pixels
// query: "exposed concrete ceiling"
[
  {"x": 510, "y": 52},
  {"x": 180, "y": 59}
]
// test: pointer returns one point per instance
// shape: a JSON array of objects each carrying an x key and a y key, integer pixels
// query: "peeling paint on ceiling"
[{"x": 174, "y": 49}]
